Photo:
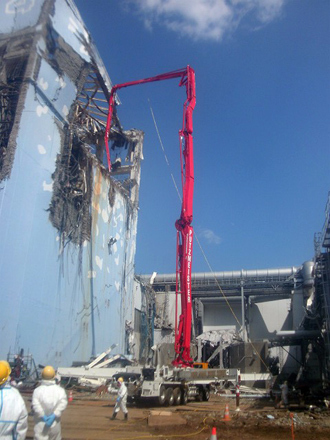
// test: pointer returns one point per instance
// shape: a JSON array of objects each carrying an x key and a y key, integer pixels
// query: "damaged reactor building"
[{"x": 68, "y": 229}]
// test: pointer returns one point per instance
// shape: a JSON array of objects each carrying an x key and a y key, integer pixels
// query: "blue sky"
[{"x": 261, "y": 123}]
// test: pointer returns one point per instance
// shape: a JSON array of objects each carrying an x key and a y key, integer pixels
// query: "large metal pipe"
[
  {"x": 307, "y": 273},
  {"x": 217, "y": 299},
  {"x": 243, "y": 312},
  {"x": 229, "y": 275},
  {"x": 297, "y": 333}
]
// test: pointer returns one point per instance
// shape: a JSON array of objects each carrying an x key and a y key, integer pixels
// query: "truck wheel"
[
  {"x": 184, "y": 397},
  {"x": 169, "y": 398},
  {"x": 206, "y": 394},
  {"x": 199, "y": 396},
  {"x": 162, "y": 396},
  {"x": 177, "y": 396}
]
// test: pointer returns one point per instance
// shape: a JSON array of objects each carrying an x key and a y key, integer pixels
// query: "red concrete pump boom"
[{"x": 183, "y": 224}]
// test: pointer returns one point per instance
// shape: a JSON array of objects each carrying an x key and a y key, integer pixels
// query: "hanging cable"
[{"x": 165, "y": 156}]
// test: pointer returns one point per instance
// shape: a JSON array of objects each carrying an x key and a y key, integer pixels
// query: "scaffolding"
[{"x": 323, "y": 285}]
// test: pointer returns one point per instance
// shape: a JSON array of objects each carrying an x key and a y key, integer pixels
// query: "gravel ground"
[{"x": 88, "y": 417}]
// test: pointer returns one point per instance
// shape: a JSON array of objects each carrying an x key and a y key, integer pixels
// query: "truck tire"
[
  {"x": 206, "y": 394},
  {"x": 184, "y": 397},
  {"x": 162, "y": 395},
  {"x": 199, "y": 396},
  {"x": 169, "y": 398},
  {"x": 177, "y": 396}
]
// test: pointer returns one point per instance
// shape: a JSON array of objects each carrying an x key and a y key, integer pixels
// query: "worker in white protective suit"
[
  {"x": 284, "y": 395},
  {"x": 121, "y": 400},
  {"x": 49, "y": 400},
  {"x": 13, "y": 413}
]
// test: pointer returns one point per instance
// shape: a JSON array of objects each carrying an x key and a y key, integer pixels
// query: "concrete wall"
[
  {"x": 267, "y": 317},
  {"x": 219, "y": 317},
  {"x": 165, "y": 309}
]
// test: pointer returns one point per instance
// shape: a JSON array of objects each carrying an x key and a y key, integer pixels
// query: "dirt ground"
[{"x": 87, "y": 417}]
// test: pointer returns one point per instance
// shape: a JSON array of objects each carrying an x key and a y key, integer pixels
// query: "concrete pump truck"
[{"x": 175, "y": 385}]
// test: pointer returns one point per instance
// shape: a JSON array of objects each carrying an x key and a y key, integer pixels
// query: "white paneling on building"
[{"x": 67, "y": 225}]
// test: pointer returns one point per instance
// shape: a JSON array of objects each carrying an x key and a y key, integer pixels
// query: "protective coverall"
[
  {"x": 121, "y": 401},
  {"x": 284, "y": 394},
  {"x": 49, "y": 398},
  {"x": 13, "y": 413}
]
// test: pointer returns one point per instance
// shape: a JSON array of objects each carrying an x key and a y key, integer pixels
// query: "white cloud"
[
  {"x": 267, "y": 10},
  {"x": 205, "y": 19},
  {"x": 210, "y": 236}
]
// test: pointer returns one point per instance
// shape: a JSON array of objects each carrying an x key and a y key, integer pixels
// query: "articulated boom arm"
[{"x": 183, "y": 224}]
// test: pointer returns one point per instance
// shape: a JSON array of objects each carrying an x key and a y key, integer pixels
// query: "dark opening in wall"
[
  {"x": 72, "y": 191},
  {"x": 11, "y": 78}
]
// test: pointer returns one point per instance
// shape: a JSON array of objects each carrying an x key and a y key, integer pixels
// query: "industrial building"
[
  {"x": 266, "y": 322},
  {"x": 68, "y": 229}
]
